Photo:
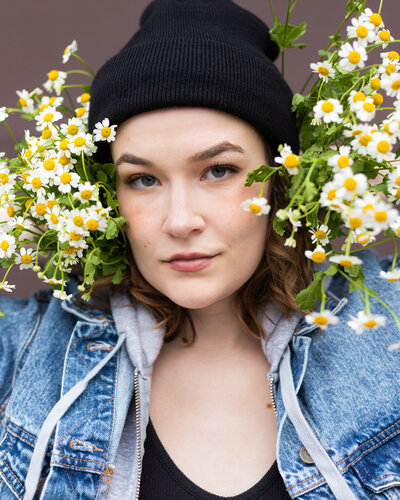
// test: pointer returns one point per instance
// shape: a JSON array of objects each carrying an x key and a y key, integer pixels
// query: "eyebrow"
[{"x": 215, "y": 150}]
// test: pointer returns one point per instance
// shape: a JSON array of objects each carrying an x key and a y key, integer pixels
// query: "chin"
[{"x": 193, "y": 300}]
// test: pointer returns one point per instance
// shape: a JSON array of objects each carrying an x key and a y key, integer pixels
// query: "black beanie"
[{"x": 207, "y": 53}]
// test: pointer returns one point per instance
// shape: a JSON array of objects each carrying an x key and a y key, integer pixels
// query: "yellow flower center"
[
  {"x": 4, "y": 178},
  {"x": 359, "y": 96},
  {"x": 364, "y": 140},
  {"x": 398, "y": 231},
  {"x": 80, "y": 112},
  {"x": 318, "y": 257},
  {"x": 371, "y": 323},
  {"x": 10, "y": 211},
  {"x": 78, "y": 220},
  {"x": 54, "y": 218},
  {"x": 375, "y": 84},
  {"x": 368, "y": 206},
  {"x": 343, "y": 161},
  {"x": 105, "y": 131},
  {"x": 51, "y": 203},
  {"x": 378, "y": 99},
  {"x": 356, "y": 132},
  {"x": 345, "y": 262},
  {"x": 79, "y": 142},
  {"x": 321, "y": 320},
  {"x": 354, "y": 57},
  {"x": 327, "y": 107},
  {"x": 386, "y": 128},
  {"x": 69, "y": 250},
  {"x": 331, "y": 194},
  {"x": 4, "y": 245},
  {"x": 397, "y": 195},
  {"x": 26, "y": 259},
  {"x": 87, "y": 194},
  {"x": 28, "y": 203},
  {"x": 64, "y": 144},
  {"x": 254, "y": 208},
  {"x": 323, "y": 71},
  {"x": 390, "y": 68},
  {"x": 73, "y": 129},
  {"x": 36, "y": 183},
  {"x": 321, "y": 235},
  {"x": 92, "y": 224},
  {"x": 369, "y": 107},
  {"x": 46, "y": 133},
  {"x": 393, "y": 55},
  {"x": 396, "y": 85},
  {"x": 291, "y": 161},
  {"x": 350, "y": 184},
  {"x": 362, "y": 238},
  {"x": 65, "y": 178},
  {"x": 75, "y": 236},
  {"x": 381, "y": 216},
  {"x": 53, "y": 75},
  {"x": 383, "y": 146},
  {"x": 48, "y": 117},
  {"x": 22, "y": 102},
  {"x": 41, "y": 208},
  {"x": 355, "y": 222},
  {"x": 49, "y": 164},
  {"x": 361, "y": 31},
  {"x": 384, "y": 35},
  {"x": 85, "y": 97},
  {"x": 375, "y": 19}
]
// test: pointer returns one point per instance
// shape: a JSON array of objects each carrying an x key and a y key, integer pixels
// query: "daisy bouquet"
[
  {"x": 345, "y": 182},
  {"x": 59, "y": 208}
]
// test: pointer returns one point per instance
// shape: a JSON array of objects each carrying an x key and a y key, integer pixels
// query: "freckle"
[
  {"x": 184, "y": 340},
  {"x": 268, "y": 405}
]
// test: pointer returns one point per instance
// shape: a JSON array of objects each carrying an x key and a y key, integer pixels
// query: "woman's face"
[{"x": 190, "y": 238}]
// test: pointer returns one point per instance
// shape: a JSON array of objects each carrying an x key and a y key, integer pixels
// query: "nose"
[{"x": 183, "y": 212}]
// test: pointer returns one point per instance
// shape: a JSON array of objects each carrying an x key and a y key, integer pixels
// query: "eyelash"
[{"x": 230, "y": 168}]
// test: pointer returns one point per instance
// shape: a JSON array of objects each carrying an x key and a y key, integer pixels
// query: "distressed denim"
[{"x": 347, "y": 386}]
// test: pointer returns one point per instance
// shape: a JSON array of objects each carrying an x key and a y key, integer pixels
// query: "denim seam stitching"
[
  {"x": 381, "y": 477},
  {"x": 89, "y": 469},
  {"x": 88, "y": 336},
  {"x": 9, "y": 468},
  {"x": 10, "y": 484},
  {"x": 70, "y": 482},
  {"x": 13, "y": 438}
]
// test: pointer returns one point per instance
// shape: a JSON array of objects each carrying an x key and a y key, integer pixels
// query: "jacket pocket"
[
  {"x": 378, "y": 469},
  {"x": 16, "y": 448}
]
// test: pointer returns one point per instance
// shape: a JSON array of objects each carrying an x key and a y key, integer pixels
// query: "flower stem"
[{"x": 10, "y": 132}]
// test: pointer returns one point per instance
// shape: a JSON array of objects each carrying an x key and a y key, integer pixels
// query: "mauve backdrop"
[{"x": 35, "y": 33}]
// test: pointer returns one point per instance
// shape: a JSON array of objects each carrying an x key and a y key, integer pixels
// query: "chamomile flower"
[
  {"x": 288, "y": 159},
  {"x": 103, "y": 131},
  {"x": 257, "y": 206},
  {"x": 387, "y": 67},
  {"x": 46, "y": 117},
  {"x": 86, "y": 192},
  {"x": 52, "y": 101},
  {"x": 380, "y": 216},
  {"x": 294, "y": 218},
  {"x": 25, "y": 258},
  {"x": 317, "y": 255},
  {"x": 345, "y": 260},
  {"x": 395, "y": 226},
  {"x": 84, "y": 99},
  {"x": 37, "y": 181},
  {"x": 3, "y": 114},
  {"x": 66, "y": 180},
  {"x": 328, "y": 110},
  {"x": 349, "y": 184},
  {"x": 323, "y": 69},
  {"x": 39, "y": 208},
  {"x": 94, "y": 221},
  {"x": 380, "y": 147},
  {"x": 390, "y": 275},
  {"x": 320, "y": 234},
  {"x": 365, "y": 110},
  {"x": 329, "y": 197},
  {"x": 355, "y": 97},
  {"x": 353, "y": 56},
  {"x": 323, "y": 319},
  {"x": 365, "y": 321},
  {"x": 393, "y": 55},
  {"x": 69, "y": 49},
  {"x": 341, "y": 160},
  {"x": 72, "y": 128},
  {"x": 385, "y": 37},
  {"x": 371, "y": 17},
  {"x": 83, "y": 143},
  {"x": 60, "y": 294},
  {"x": 7, "y": 245},
  {"x": 363, "y": 238},
  {"x": 6, "y": 287},
  {"x": 53, "y": 218},
  {"x": 55, "y": 81},
  {"x": 51, "y": 281},
  {"x": 82, "y": 113},
  {"x": 25, "y": 101},
  {"x": 21, "y": 223},
  {"x": 391, "y": 84},
  {"x": 363, "y": 30},
  {"x": 362, "y": 136}
]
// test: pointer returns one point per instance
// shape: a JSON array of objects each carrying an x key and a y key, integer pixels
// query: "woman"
[{"x": 205, "y": 342}]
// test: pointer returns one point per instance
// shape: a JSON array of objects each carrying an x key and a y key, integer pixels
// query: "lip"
[{"x": 189, "y": 262}]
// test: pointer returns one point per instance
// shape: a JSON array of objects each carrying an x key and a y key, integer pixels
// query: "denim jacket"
[{"x": 66, "y": 382}]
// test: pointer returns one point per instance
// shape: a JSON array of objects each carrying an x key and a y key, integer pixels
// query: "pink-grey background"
[{"x": 34, "y": 34}]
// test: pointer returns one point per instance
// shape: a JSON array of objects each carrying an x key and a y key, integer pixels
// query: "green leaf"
[
  {"x": 310, "y": 191},
  {"x": 308, "y": 297},
  {"x": 284, "y": 35},
  {"x": 279, "y": 226},
  {"x": 117, "y": 276},
  {"x": 111, "y": 230}
]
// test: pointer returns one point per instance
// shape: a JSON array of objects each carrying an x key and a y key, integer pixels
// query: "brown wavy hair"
[{"x": 282, "y": 272}]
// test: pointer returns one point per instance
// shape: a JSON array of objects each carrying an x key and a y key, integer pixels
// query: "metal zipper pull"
[
  {"x": 271, "y": 390},
  {"x": 138, "y": 436}
]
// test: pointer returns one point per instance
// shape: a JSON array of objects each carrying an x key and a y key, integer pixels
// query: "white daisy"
[
  {"x": 329, "y": 199},
  {"x": 289, "y": 160},
  {"x": 363, "y": 30},
  {"x": 323, "y": 69},
  {"x": 345, "y": 260},
  {"x": 103, "y": 131},
  {"x": 60, "y": 294},
  {"x": 366, "y": 322},
  {"x": 391, "y": 84},
  {"x": 353, "y": 56},
  {"x": 257, "y": 206},
  {"x": 341, "y": 160},
  {"x": 86, "y": 192},
  {"x": 84, "y": 99},
  {"x": 7, "y": 245},
  {"x": 317, "y": 255},
  {"x": 362, "y": 136},
  {"x": 387, "y": 67},
  {"x": 47, "y": 116},
  {"x": 329, "y": 110},
  {"x": 66, "y": 180},
  {"x": 322, "y": 319},
  {"x": 55, "y": 81},
  {"x": 6, "y": 287},
  {"x": 320, "y": 234},
  {"x": 72, "y": 128},
  {"x": 371, "y": 17},
  {"x": 385, "y": 37},
  {"x": 3, "y": 114},
  {"x": 380, "y": 147},
  {"x": 25, "y": 101},
  {"x": 83, "y": 143},
  {"x": 365, "y": 110},
  {"x": 25, "y": 258},
  {"x": 349, "y": 184},
  {"x": 355, "y": 97},
  {"x": 390, "y": 275},
  {"x": 69, "y": 49}
]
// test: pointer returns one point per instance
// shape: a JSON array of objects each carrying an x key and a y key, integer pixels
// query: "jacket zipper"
[
  {"x": 139, "y": 444},
  {"x": 271, "y": 390}
]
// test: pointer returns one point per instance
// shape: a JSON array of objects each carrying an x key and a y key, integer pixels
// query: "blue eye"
[
  {"x": 221, "y": 171},
  {"x": 142, "y": 181}
]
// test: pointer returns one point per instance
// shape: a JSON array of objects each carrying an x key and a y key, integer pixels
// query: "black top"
[{"x": 162, "y": 480}]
